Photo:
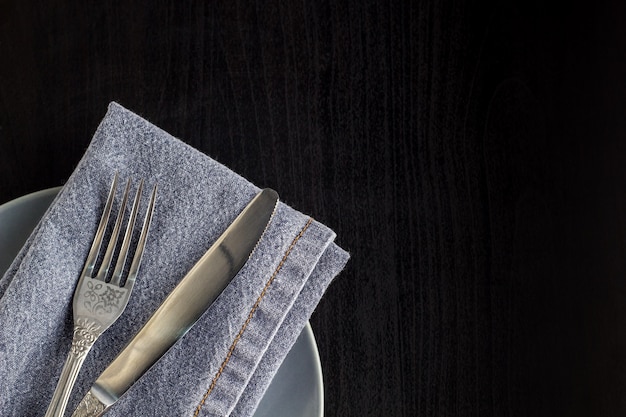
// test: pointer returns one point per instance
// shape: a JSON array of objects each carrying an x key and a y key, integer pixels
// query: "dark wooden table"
[{"x": 471, "y": 157}]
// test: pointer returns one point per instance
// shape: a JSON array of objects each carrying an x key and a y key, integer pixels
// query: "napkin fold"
[{"x": 226, "y": 361}]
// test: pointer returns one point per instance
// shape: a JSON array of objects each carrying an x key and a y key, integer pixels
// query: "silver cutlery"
[
  {"x": 99, "y": 302},
  {"x": 183, "y": 306}
]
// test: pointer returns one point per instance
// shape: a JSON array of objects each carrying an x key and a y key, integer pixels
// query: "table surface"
[{"x": 470, "y": 156}]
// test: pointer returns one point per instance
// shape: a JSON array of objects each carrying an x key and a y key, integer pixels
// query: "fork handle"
[{"x": 83, "y": 339}]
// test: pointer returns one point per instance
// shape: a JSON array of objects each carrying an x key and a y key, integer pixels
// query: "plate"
[{"x": 296, "y": 390}]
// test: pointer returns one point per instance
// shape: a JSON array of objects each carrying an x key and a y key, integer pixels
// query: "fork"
[{"x": 99, "y": 302}]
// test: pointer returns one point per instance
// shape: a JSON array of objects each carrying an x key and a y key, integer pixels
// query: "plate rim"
[{"x": 22, "y": 199}]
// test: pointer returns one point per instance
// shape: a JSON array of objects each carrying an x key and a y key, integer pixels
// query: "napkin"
[{"x": 223, "y": 365}]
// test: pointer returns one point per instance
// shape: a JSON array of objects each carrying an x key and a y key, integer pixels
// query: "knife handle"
[
  {"x": 73, "y": 363},
  {"x": 90, "y": 406}
]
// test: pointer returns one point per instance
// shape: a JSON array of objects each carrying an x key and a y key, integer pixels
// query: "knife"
[{"x": 183, "y": 306}]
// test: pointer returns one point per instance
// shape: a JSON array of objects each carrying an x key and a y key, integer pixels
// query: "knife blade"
[{"x": 183, "y": 306}]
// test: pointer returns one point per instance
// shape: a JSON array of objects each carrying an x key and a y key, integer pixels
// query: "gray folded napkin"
[{"x": 226, "y": 361}]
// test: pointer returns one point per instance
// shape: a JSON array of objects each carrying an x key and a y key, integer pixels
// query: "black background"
[{"x": 469, "y": 155}]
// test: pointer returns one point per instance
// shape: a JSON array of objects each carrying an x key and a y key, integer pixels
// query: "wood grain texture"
[{"x": 470, "y": 156}]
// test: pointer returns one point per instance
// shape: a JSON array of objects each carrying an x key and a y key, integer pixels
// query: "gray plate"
[{"x": 296, "y": 390}]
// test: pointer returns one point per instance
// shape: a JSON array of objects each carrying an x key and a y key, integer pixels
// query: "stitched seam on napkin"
[{"x": 249, "y": 318}]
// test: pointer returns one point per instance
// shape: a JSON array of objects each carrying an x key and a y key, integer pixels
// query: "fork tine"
[
  {"x": 108, "y": 256},
  {"x": 121, "y": 258},
  {"x": 134, "y": 267},
  {"x": 92, "y": 257}
]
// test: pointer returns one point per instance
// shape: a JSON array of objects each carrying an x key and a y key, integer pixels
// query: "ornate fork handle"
[{"x": 86, "y": 332}]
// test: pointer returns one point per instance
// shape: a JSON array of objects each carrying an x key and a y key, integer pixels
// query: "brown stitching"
[{"x": 250, "y": 315}]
